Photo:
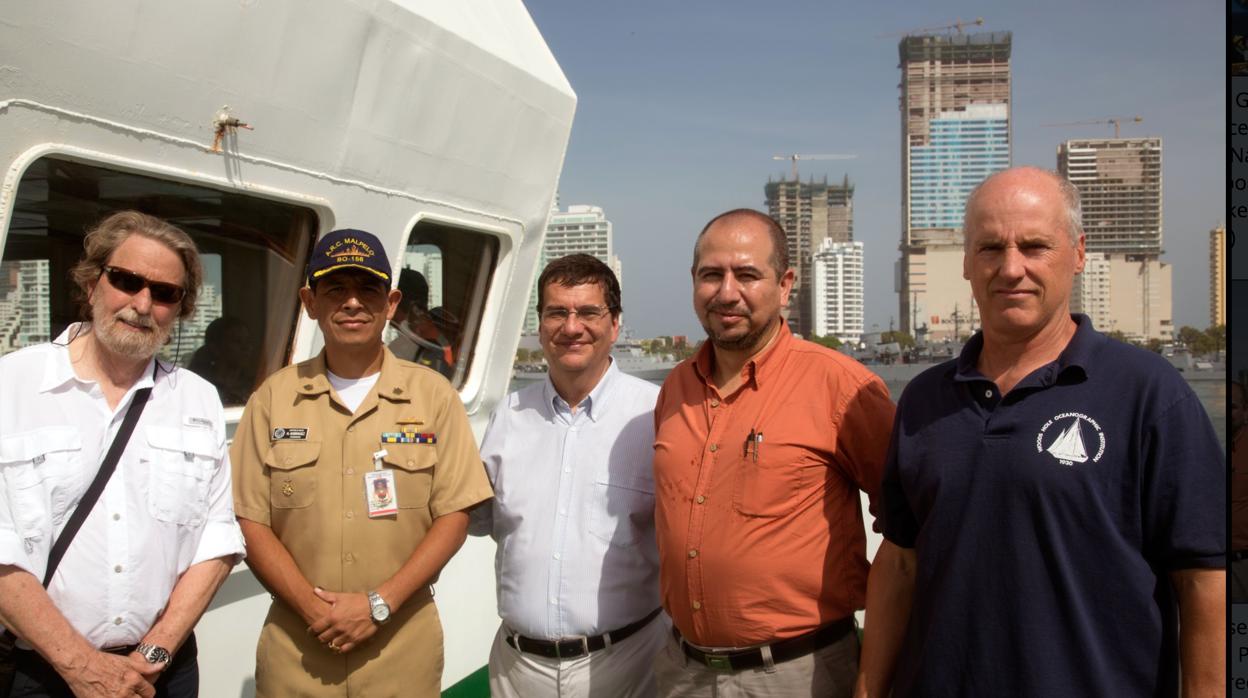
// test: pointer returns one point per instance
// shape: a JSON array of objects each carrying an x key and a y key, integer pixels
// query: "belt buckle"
[
  {"x": 718, "y": 662},
  {"x": 584, "y": 640}
]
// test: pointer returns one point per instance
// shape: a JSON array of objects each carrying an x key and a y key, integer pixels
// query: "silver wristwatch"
[
  {"x": 153, "y": 654},
  {"x": 380, "y": 609}
]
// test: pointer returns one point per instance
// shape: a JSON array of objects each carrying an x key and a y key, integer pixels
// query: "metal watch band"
[
  {"x": 154, "y": 654},
  {"x": 379, "y": 609}
]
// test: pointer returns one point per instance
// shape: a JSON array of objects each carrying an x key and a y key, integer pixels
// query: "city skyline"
[{"x": 681, "y": 110}]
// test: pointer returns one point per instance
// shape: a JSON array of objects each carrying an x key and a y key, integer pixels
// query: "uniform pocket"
[
  {"x": 413, "y": 472},
  {"x": 292, "y": 477},
  {"x": 180, "y": 463},
  {"x": 43, "y": 475},
  {"x": 623, "y": 511}
]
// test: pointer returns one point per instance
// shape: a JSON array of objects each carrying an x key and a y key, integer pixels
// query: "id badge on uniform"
[{"x": 383, "y": 496}]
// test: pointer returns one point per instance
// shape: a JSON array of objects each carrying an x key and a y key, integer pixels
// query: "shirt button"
[
  {"x": 714, "y": 448},
  {"x": 987, "y": 393},
  {"x": 350, "y": 471},
  {"x": 563, "y": 512},
  {"x": 697, "y": 605},
  {"x": 411, "y": 462},
  {"x": 701, "y": 499},
  {"x": 693, "y": 553},
  {"x": 348, "y": 558},
  {"x": 288, "y": 461},
  {"x": 117, "y": 620},
  {"x": 116, "y": 517},
  {"x": 567, "y": 470},
  {"x": 117, "y": 569},
  {"x": 350, "y": 514},
  {"x": 554, "y": 600},
  {"x": 556, "y": 556},
  {"x": 714, "y": 403}
]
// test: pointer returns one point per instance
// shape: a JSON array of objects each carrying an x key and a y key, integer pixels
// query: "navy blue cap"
[{"x": 348, "y": 249}]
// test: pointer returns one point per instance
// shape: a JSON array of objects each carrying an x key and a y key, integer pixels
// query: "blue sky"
[{"x": 683, "y": 103}]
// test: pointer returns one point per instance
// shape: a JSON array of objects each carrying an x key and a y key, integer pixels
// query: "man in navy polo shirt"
[{"x": 1054, "y": 501}]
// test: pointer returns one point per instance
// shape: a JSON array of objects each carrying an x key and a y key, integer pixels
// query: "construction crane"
[
  {"x": 1115, "y": 120},
  {"x": 957, "y": 25},
  {"x": 795, "y": 157}
]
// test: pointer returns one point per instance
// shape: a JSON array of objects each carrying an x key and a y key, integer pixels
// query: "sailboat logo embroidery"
[{"x": 1075, "y": 432}]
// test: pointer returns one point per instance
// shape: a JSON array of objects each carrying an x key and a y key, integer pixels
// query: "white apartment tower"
[
  {"x": 836, "y": 291},
  {"x": 580, "y": 229}
]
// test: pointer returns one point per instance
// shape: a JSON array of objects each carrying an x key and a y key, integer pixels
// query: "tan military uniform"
[{"x": 299, "y": 460}]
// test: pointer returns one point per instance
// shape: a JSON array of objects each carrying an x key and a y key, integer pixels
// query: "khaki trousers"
[
  {"x": 829, "y": 672},
  {"x": 624, "y": 670}
]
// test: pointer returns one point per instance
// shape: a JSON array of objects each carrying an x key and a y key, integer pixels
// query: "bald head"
[
  {"x": 1045, "y": 183},
  {"x": 779, "y": 258}
]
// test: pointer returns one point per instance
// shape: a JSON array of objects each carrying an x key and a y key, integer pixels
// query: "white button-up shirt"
[
  {"x": 166, "y": 507},
  {"x": 573, "y": 507}
]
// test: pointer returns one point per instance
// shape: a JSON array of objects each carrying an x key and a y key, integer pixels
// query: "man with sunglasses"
[
  {"x": 573, "y": 512},
  {"x": 116, "y": 617},
  {"x": 350, "y": 562}
]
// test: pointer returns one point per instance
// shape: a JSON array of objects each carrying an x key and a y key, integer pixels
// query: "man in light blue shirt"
[{"x": 573, "y": 509}]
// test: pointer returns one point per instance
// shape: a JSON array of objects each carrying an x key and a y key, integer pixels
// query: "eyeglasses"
[
  {"x": 587, "y": 313},
  {"x": 130, "y": 283}
]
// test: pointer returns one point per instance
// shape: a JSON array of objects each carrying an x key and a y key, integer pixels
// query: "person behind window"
[
  {"x": 116, "y": 618},
  {"x": 418, "y": 338},
  {"x": 225, "y": 359}
]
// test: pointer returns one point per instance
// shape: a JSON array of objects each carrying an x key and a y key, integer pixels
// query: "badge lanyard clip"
[{"x": 377, "y": 456}]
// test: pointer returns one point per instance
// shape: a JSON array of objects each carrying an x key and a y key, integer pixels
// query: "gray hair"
[
  {"x": 1071, "y": 206},
  {"x": 104, "y": 239}
]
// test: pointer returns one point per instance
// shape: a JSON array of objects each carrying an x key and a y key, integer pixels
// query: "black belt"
[
  {"x": 570, "y": 648},
  {"x": 1238, "y": 555},
  {"x": 782, "y": 651}
]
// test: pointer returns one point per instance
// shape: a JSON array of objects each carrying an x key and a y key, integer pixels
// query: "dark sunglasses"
[{"x": 131, "y": 283}]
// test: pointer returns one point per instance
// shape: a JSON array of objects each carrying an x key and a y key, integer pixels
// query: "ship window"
[
  {"x": 444, "y": 276},
  {"x": 253, "y": 252}
]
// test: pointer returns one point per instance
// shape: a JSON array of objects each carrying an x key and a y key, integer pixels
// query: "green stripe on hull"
[{"x": 474, "y": 685}]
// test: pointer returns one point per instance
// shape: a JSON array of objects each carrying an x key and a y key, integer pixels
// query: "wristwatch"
[
  {"x": 380, "y": 609},
  {"x": 153, "y": 654}
]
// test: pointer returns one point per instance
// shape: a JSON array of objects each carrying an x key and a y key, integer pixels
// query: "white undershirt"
[{"x": 352, "y": 391}]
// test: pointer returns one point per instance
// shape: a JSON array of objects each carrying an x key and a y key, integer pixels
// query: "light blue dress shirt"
[{"x": 573, "y": 507}]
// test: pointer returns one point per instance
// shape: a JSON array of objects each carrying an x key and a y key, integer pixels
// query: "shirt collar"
[
  {"x": 314, "y": 378},
  {"x": 594, "y": 405},
  {"x": 760, "y": 366},
  {"x": 58, "y": 370},
  {"x": 1076, "y": 356}
]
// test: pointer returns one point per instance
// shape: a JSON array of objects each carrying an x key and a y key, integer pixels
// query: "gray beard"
[{"x": 131, "y": 346}]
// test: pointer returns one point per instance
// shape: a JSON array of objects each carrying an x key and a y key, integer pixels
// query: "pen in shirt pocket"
[{"x": 753, "y": 444}]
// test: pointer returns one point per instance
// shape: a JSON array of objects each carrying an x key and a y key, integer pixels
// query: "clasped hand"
[{"x": 347, "y": 623}]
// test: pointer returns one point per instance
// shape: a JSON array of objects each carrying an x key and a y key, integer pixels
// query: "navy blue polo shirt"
[{"x": 1045, "y": 523}]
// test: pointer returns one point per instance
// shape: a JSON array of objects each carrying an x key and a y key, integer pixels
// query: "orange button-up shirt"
[{"x": 758, "y": 544}]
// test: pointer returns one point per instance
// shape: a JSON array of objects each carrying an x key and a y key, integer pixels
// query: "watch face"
[{"x": 381, "y": 612}]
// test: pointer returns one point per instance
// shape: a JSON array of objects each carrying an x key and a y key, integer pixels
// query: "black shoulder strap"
[{"x": 97, "y": 485}]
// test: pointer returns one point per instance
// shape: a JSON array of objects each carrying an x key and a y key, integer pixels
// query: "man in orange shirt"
[
  {"x": 762, "y": 444},
  {"x": 1239, "y": 495}
]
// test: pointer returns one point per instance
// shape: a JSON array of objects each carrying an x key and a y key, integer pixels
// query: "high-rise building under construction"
[
  {"x": 810, "y": 213},
  {"x": 955, "y": 131},
  {"x": 1119, "y": 182}
]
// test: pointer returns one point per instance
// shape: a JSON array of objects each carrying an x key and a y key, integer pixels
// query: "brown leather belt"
[
  {"x": 570, "y": 648},
  {"x": 782, "y": 651}
]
